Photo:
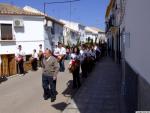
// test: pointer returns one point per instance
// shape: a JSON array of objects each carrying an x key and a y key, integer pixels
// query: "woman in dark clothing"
[{"x": 75, "y": 61}]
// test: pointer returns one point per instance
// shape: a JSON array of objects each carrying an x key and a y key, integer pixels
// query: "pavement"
[
  {"x": 23, "y": 94},
  {"x": 100, "y": 93}
]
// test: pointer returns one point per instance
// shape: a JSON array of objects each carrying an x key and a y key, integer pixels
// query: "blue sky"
[{"x": 86, "y": 12}]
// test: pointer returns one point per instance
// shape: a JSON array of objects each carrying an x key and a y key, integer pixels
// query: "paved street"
[
  {"x": 100, "y": 93},
  {"x": 24, "y": 94}
]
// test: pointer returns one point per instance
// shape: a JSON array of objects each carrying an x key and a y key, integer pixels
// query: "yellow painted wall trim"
[{"x": 109, "y": 8}]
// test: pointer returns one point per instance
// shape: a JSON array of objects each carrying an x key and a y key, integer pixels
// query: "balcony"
[{"x": 111, "y": 24}]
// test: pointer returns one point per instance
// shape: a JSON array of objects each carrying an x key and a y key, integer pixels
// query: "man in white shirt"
[
  {"x": 20, "y": 55},
  {"x": 34, "y": 60},
  {"x": 61, "y": 57},
  {"x": 40, "y": 55},
  {"x": 56, "y": 51}
]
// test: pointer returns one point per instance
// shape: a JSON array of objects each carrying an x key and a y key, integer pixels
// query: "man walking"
[{"x": 49, "y": 75}]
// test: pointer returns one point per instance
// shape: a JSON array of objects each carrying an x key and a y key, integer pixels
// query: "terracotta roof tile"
[{"x": 7, "y": 9}]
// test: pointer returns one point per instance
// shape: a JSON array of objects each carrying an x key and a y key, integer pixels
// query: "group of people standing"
[
  {"x": 84, "y": 56},
  {"x": 52, "y": 62},
  {"x": 35, "y": 59}
]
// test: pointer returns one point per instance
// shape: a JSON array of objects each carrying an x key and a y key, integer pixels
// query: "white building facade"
[
  {"x": 70, "y": 36},
  {"x": 29, "y": 35},
  {"x": 53, "y": 32},
  {"x": 74, "y": 32},
  {"x": 95, "y": 34},
  {"x": 53, "y": 29},
  {"x": 135, "y": 31},
  {"x": 28, "y": 29},
  {"x": 130, "y": 24}
]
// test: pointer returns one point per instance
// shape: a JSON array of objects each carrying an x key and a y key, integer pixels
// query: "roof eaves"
[
  {"x": 72, "y": 29},
  {"x": 109, "y": 7},
  {"x": 53, "y": 19},
  {"x": 7, "y": 9}
]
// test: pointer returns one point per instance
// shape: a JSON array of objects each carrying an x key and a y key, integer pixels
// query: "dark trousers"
[
  {"x": 20, "y": 68},
  {"x": 40, "y": 61},
  {"x": 84, "y": 70},
  {"x": 49, "y": 86},
  {"x": 34, "y": 64},
  {"x": 97, "y": 55},
  {"x": 76, "y": 78},
  {"x": 89, "y": 65},
  {"x": 62, "y": 66}
]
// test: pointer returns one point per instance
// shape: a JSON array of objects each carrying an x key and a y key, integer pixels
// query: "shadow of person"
[
  {"x": 60, "y": 106},
  {"x": 69, "y": 91}
]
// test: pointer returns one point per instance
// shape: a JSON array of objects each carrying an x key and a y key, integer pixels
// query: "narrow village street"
[
  {"x": 74, "y": 56},
  {"x": 99, "y": 93},
  {"x": 23, "y": 94}
]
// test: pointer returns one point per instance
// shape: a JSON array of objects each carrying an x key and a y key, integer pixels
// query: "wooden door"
[
  {"x": 8, "y": 66},
  {"x": 0, "y": 70},
  {"x": 5, "y": 71},
  {"x": 12, "y": 65}
]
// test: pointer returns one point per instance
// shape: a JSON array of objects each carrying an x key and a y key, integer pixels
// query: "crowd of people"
[{"x": 82, "y": 57}]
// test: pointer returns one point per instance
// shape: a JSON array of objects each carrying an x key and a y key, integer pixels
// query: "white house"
[
  {"x": 77, "y": 30},
  {"x": 95, "y": 34},
  {"x": 18, "y": 27},
  {"x": 127, "y": 27},
  {"x": 113, "y": 20},
  {"x": 70, "y": 36},
  {"x": 22, "y": 27},
  {"x": 101, "y": 35},
  {"x": 53, "y": 28},
  {"x": 135, "y": 32}
]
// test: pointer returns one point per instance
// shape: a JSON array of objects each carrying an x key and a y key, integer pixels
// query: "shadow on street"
[
  {"x": 60, "y": 106},
  {"x": 100, "y": 92}
]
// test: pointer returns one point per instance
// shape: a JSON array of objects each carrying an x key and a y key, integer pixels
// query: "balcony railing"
[{"x": 110, "y": 24}]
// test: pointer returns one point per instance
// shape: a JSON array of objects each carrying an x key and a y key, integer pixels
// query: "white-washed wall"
[
  {"x": 58, "y": 33},
  {"x": 29, "y": 36},
  {"x": 137, "y": 24}
]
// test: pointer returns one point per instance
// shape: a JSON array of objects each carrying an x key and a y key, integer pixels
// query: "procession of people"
[{"x": 82, "y": 58}]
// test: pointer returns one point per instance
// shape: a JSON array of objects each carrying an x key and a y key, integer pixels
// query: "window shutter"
[{"x": 6, "y": 32}]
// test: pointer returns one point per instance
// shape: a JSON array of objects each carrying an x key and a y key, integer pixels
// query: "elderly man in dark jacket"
[{"x": 49, "y": 75}]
